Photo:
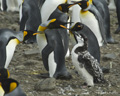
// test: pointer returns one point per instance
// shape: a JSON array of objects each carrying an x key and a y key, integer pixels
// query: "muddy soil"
[{"x": 26, "y": 66}]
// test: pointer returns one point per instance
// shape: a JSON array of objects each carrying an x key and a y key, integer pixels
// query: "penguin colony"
[{"x": 52, "y": 28}]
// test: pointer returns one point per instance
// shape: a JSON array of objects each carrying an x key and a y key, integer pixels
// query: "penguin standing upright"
[
  {"x": 93, "y": 46},
  {"x": 118, "y": 15},
  {"x": 102, "y": 7},
  {"x": 30, "y": 18},
  {"x": 91, "y": 17},
  {"x": 8, "y": 41},
  {"x": 85, "y": 63},
  {"x": 53, "y": 54}
]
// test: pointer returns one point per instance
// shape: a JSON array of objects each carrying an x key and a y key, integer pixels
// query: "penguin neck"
[{"x": 86, "y": 9}]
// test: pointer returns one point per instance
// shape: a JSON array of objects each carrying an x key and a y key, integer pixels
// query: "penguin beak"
[
  {"x": 63, "y": 26},
  {"x": 25, "y": 33}
]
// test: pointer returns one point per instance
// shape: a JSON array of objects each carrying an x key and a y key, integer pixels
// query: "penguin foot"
[
  {"x": 44, "y": 75},
  {"x": 105, "y": 70},
  {"x": 63, "y": 76},
  {"x": 117, "y": 31},
  {"x": 85, "y": 85},
  {"x": 111, "y": 41}
]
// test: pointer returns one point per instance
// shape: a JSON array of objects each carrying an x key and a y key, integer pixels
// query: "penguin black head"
[
  {"x": 8, "y": 85},
  {"x": 4, "y": 73},
  {"x": 76, "y": 27},
  {"x": 83, "y": 4},
  {"x": 65, "y": 7}
]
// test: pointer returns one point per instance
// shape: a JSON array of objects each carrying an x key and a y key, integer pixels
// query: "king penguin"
[
  {"x": 9, "y": 86},
  {"x": 85, "y": 63},
  {"x": 30, "y": 18},
  {"x": 53, "y": 54},
  {"x": 102, "y": 7},
  {"x": 8, "y": 41},
  {"x": 91, "y": 17},
  {"x": 118, "y": 15},
  {"x": 93, "y": 46}
]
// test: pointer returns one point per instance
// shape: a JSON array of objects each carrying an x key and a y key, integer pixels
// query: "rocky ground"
[{"x": 26, "y": 66}]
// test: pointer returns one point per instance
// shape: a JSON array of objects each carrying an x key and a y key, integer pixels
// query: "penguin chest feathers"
[{"x": 10, "y": 48}]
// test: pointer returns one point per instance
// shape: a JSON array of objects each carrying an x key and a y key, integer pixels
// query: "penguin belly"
[
  {"x": 10, "y": 48},
  {"x": 81, "y": 70},
  {"x": 48, "y": 7},
  {"x": 1, "y": 91},
  {"x": 52, "y": 64},
  {"x": 41, "y": 41},
  {"x": 89, "y": 20}
]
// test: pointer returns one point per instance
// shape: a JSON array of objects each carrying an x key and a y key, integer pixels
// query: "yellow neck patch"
[
  {"x": 60, "y": 8},
  {"x": 90, "y": 1},
  {"x": 13, "y": 85},
  {"x": 41, "y": 28},
  {"x": 17, "y": 41}
]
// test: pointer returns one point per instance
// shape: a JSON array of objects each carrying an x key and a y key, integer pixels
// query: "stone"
[
  {"x": 109, "y": 56},
  {"x": 45, "y": 85}
]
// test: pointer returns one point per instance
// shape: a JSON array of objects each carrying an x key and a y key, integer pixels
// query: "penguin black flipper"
[
  {"x": 100, "y": 21},
  {"x": 102, "y": 7},
  {"x": 31, "y": 18},
  {"x": 118, "y": 15},
  {"x": 2, "y": 54}
]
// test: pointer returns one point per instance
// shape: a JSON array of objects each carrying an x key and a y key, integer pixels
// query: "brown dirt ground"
[{"x": 26, "y": 68}]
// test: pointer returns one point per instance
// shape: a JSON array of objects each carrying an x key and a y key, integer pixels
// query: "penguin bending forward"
[
  {"x": 85, "y": 63},
  {"x": 30, "y": 18},
  {"x": 53, "y": 54},
  {"x": 8, "y": 42}
]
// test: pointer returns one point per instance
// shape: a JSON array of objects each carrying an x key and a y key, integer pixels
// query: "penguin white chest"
[
  {"x": 1, "y": 91},
  {"x": 10, "y": 48},
  {"x": 90, "y": 20},
  {"x": 80, "y": 68},
  {"x": 41, "y": 41}
]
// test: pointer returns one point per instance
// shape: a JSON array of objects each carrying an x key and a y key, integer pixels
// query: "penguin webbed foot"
[
  {"x": 43, "y": 75},
  {"x": 63, "y": 76},
  {"x": 117, "y": 31},
  {"x": 111, "y": 41},
  {"x": 85, "y": 85}
]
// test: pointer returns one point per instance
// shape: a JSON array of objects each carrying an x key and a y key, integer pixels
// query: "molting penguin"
[
  {"x": 53, "y": 54},
  {"x": 102, "y": 7},
  {"x": 30, "y": 18},
  {"x": 118, "y": 15},
  {"x": 93, "y": 46},
  {"x": 8, "y": 41},
  {"x": 85, "y": 63},
  {"x": 91, "y": 17}
]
